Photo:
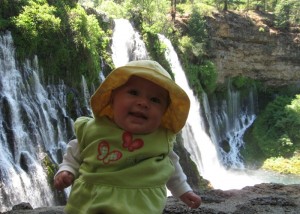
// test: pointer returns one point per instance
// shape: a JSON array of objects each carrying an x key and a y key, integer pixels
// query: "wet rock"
[{"x": 22, "y": 206}]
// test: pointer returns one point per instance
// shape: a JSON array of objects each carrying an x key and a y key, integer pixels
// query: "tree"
[
  {"x": 173, "y": 9},
  {"x": 283, "y": 13},
  {"x": 228, "y": 3},
  {"x": 225, "y": 8}
]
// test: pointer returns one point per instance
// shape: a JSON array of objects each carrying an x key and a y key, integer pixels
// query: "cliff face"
[{"x": 248, "y": 44}]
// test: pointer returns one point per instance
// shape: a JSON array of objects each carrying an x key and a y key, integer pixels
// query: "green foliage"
[
  {"x": 36, "y": 27},
  {"x": 11, "y": 7},
  {"x": 276, "y": 129},
  {"x": 37, "y": 21},
  {"x": 201, "y": 73},
  {"x": 191, "y": 48},
  {"x": 208, "y": 76},
  {"x": 287, "y": 12},
  {"x": 4, "y": 23},
  {"x": 152, "y": 15},
  {"x": 8, "y": 9},
  {"x": 192, "y": 44},
  {"x": 88, "y": 36},
  {"x": 241, "y": 82},
  {"x": 202, "y": 77},
  {"x": 50, "y": 169},
  {"x": 68, "y": 41},
  {"x": 251, "y": 152},
  {"x": 261, "y": 29},
  {"x": 186, "y": 45},
  {"x": 187, "y": 8},
  {"x": 197, "y": 30},
  {"x": 113, "y": 9},
  {"x": 293, "y": 111},
  {"x": 156, "y": 50},
  {"x": 227, "y": 4},
  {"x": 283, "y": 165},
  {"x": 193, "y": 73},
  {"x": 282, "y": 12}
]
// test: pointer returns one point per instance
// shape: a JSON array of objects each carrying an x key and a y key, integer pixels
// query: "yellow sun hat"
[{"x": 174, "y": 118}]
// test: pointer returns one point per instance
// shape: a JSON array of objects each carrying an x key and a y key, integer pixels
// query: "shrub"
[
  {"x": 283, "y": 165},
  {"x": 202, "y": 77},
  {"x": 276, "y": 129},
  {"x": 37, "y": 21},
  {"x": 66, "y": 39}
]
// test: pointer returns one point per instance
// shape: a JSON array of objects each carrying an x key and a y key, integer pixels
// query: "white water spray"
[{"x": 126, "y": 44}]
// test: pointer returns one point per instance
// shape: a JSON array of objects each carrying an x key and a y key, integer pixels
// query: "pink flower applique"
[
  {"x": 131, "y": 144},
  {"x": 105, "y": 155}
]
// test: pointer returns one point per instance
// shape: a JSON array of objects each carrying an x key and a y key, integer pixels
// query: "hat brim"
[{"x": 174, "y": 118}]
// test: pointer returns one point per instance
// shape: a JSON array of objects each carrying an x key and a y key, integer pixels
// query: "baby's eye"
[
  {"x": 155, "y": 100},
  {"x": 133, "y": 92}
]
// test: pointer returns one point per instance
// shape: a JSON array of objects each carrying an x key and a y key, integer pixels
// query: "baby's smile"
[{"x": 138, "y": 115}]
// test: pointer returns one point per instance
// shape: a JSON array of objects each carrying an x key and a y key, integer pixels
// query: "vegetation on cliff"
[
  {"x": 276, "y": 131},
  {"x": 65, "y": 38}
]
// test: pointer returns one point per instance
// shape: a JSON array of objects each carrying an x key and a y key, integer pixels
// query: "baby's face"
[{"x": 139, "y": 105}]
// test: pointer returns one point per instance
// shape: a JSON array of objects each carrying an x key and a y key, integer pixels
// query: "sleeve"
[
  {"x": 177, "y": 184},
  {"x": 71, "y": 160}
]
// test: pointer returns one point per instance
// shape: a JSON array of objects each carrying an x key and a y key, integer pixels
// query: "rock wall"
[{"x": 248, "y": 44}]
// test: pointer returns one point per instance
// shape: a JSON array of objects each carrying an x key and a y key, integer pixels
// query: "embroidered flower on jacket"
[
  {"x": 131, "y": 144},
  {"x": 105, "y": 155}
]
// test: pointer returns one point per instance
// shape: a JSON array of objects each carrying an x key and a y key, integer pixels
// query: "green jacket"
[{"x": 120, "y": 172}]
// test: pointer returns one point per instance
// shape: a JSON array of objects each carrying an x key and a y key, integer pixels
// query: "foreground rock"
[{"x": 261, "y": 198}]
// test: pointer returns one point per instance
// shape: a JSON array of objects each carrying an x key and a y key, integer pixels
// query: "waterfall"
[
  {"x": 229, "y": 120},
  {"x": 194, "y": 128},
  {"x": 86, "y": 94},
  {"x": 204, "y": 148},
  {"x": 126, "y": 44},
  {"x": 33, "y": 125}
]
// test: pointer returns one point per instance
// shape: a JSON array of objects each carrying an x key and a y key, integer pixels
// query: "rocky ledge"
[{"x": 261, "y": 198}]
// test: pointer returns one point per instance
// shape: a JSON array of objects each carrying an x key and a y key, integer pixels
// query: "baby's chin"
[
  {"x": 137, "y": 127},
  {"x": 139, "y": 130}
]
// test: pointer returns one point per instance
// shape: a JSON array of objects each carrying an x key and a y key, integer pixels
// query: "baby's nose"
[{"x": 143, "y": 102}]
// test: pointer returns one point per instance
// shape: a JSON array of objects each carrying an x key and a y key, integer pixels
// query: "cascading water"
[
  {"x": 229, "y": 119},
  {"x": 86, "y": 94},
  {"x": 202, "y": 147},
  {"x": 33, "y": 123},
  {"x": 195, "y": 128},
  {"x": 126, "y": 44}
]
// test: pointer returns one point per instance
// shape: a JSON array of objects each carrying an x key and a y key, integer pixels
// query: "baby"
[{"x": 123, "y": 157}]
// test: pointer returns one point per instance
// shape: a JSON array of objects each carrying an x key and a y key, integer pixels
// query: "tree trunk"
[
  {"x": 173, "y": 9},
  {"x": 225, "y": 5}
]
